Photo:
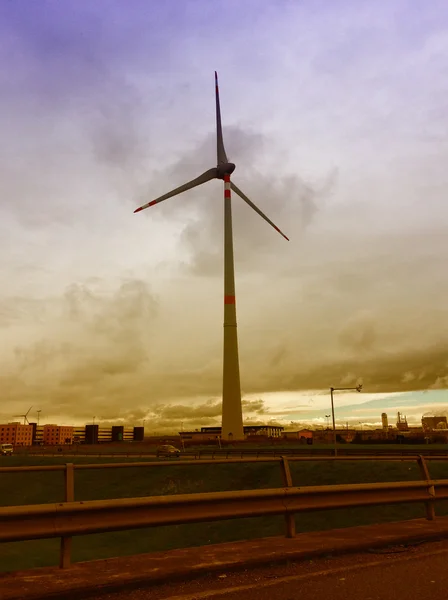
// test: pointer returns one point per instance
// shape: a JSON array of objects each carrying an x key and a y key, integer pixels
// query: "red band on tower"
[
  {"x": 229, "y": 299},
  {"x": 227, "y": 194}
]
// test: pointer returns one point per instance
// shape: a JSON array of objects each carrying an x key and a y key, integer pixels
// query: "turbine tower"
[{"x": 232, "y": 415}]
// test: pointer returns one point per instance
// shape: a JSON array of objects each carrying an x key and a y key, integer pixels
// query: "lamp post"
[
  {"x": 328, "y": 421},
  {"x": 358, "y": 388},
  {"x": 38, "y": 416}
]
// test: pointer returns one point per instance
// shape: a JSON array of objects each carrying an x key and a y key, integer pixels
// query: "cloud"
[
  {"x": 408, "y": 377},
  {"x": 358, "y": 333},
  {"x": 104, "y": 311},
  {"x": 89, "y": 346},
  {"x": 441, "y": 383}
]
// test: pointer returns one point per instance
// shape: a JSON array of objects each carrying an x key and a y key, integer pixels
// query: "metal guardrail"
[
  {"x": 43, "y": 521},
  {"x": 21, "y": 523}
]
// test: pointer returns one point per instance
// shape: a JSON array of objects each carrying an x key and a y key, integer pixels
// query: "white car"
[{"x": 6, "y": 449}]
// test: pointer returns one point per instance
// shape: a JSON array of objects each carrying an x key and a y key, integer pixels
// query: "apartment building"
[
  {"x": 16, "y": 434},
  {"x": 57, "y": 435}
]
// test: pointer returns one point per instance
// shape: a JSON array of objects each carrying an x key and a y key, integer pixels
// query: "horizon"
[{"x": 365, "y": 412}]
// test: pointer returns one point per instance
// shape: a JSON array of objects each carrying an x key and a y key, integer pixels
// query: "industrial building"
[
  {"x": 213, "y": 433},
  {"x": 434, "y": 423},
  {"x": 433, "y": 429},
  {"x": 304, "y": 435}
]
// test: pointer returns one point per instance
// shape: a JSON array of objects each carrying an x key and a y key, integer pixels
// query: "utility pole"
[{"x": 358, "y": 388}]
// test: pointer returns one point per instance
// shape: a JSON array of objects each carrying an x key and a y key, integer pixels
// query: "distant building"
[
  {"x": 272, "y": 431},
  {"x": 302, "y": 434},
  {"x": 95, "y": 434},
  {"x": 16, "y": 434},
  {"x": 213, "y": 433},
  {"x": 38, "y": 434},
  {"x": 79, "y": 435},
  {"x": 432, "y": 423},
  {"x": 402, "y": 423},
  {"x": 57, "y": 435}
]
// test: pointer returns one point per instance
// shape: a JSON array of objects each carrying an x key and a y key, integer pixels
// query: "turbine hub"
[{"x": 225, "y": 169}]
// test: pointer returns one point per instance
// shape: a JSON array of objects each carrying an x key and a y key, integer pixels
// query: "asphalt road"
[{"x": 404, "y": 573}]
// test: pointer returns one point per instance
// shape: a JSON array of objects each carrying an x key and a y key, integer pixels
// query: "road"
[{"x": 404, "y": 573}]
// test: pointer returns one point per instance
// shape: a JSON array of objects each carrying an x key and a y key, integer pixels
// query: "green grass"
[
  {"x": 307, "y": 448},
  {"x": 41, "y": 487},
  {"x": 142, "y": 447}
]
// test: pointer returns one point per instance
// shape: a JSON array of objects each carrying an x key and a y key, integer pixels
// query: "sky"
[{"x": 335, "y": 115}]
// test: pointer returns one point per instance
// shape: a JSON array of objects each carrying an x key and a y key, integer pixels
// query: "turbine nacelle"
[{"x": 225, "y": 169}]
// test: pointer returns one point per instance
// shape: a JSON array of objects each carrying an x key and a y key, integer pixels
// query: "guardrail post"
[
  {"x": 65, "y": 553},
  {"x": 430, "y": 510},
  {"x": 290, "y": 520}
]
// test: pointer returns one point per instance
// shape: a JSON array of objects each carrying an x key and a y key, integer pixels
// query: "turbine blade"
[
  {"x": 207, "y": 176},
  {"x": 256, "y": 209},
  {"x": 221, "y": 153}
]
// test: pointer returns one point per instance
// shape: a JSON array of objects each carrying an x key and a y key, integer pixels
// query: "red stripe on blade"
[
  {"x": 281, "y": 233},
  {"x": 229, "y": 299},
  {"x": 138, "y": 209}
]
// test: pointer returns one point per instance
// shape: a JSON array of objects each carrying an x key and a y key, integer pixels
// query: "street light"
[
  {"x": 328, "y": 421},
  {"x": 358, "y": 388}
]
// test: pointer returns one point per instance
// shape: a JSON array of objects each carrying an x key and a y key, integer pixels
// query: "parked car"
[
  {"x": 6, "y": 449},
  {"x": 167, "y": 451}
]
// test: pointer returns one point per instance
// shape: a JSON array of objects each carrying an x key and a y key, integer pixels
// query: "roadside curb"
[{"x": 83, "y": 580}]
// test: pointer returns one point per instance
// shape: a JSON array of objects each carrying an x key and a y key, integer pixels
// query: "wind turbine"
[
  {"x": 25, "y": 417},
  {"x": 232, "y": 415}
]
